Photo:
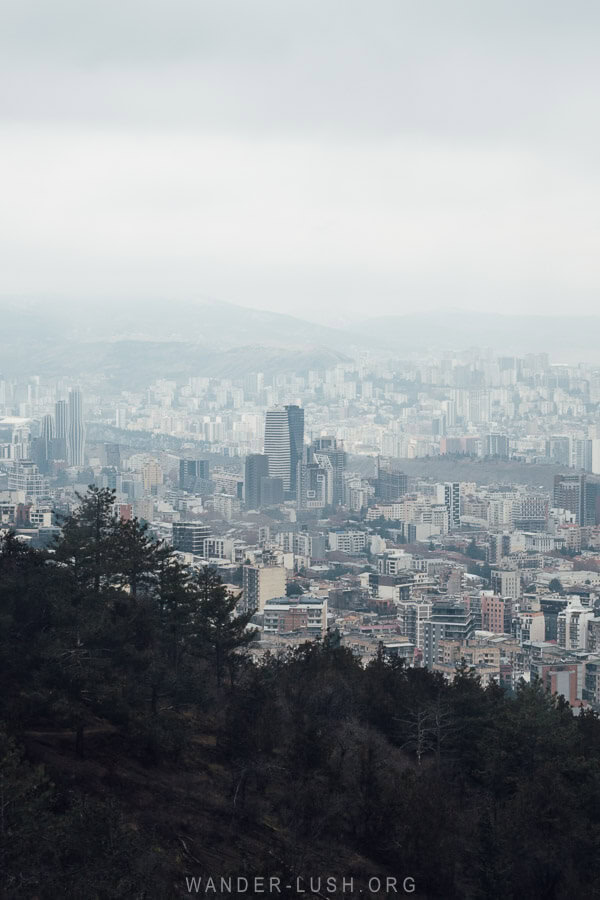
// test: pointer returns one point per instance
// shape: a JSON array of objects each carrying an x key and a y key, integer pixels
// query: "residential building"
[
  {"x": 449, "y": 495},
  {"x": 559, "y": 677},
  {"x": 449, "y": 620},
  {"x": 506, "y": 583},
  {"x": 152, "y": 476},
  {"x": 572, "y": 626},
  {"x": 295, "y": 614},
  {"x": 347, "y": 541},
  {"x": 492, "y": 613},
  {"x": 262, "y": 583}
]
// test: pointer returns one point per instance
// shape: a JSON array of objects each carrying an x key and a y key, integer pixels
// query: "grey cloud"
[
  {"x": 314, "y": 154},
  {"x": 388, "y": 67}
]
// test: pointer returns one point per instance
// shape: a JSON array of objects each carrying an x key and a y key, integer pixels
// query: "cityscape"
[
  {"x": 443, "y": 509},
  {"x": 299, "y": 450}
]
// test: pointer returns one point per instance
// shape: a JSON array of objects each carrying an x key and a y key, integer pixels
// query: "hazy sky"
[{"x": 326, "y": 158}]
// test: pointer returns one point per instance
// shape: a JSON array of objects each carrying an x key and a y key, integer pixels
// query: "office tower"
[
  {"x": 189, "y": 537},
  {"x": 314, "y": 487},
  {"x": 190, "y": 470},
  {"x": 284, "y": 444},
  {"x": 256, "y": 468},
  {"x": 187, "y": 474},
  {"x": 113, "y": 455},
  {"x": 271, "y": 491},
  {"x": 41, "y": 447},
  {"x": 570, "y": 494},
  {"x": 296, "y": 428},
  {"x": 61, "y": 427},
  {"x": 76, "y": 430},
  {"x": 592, "y": 501},
  {"x": 328, "y": 448},
  {"x": 277, "y": 446}
]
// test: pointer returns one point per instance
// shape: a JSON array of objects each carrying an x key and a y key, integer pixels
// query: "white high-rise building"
[
  {"x": 572, "y": 626},
  {"x": 278, "y": 444},
  {"x": 76, "y": 430}
]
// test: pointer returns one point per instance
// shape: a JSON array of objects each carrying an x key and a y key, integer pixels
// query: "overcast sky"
[{"x": 326, "y": 158}]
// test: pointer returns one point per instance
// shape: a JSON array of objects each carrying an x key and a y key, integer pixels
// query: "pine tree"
[
  {"x": 137, "y": 556},
  {"x": 86, "y": 544},
  {"x": 217, "y": 625}
]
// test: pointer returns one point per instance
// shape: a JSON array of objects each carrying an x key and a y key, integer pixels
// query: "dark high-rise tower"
[
  {"x": 191, "y": 470},
  {"x": 570, "y": 493},
  {"x": 189, "y": 537},
  {"x": 256, "y": 468},
  {"x": 113, "y": 455},
  {"x": 296, "y": 427},
  {"x": 76, "y": 431}
]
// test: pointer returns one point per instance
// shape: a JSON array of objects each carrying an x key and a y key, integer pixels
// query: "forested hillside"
[{"x": 140, "y": 745}]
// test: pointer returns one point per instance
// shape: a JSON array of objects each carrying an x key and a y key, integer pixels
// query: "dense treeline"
[{"x": 140, "y": 744}]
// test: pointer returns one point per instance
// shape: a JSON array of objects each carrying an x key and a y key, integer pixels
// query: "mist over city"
[{"x": 299, "y": 450}]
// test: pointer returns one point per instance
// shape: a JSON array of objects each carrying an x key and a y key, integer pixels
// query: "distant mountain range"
[
  {"x": 135, "y": 341},
  {"x": 203, "y": 322},
  {"x": 569, "y": 339}
]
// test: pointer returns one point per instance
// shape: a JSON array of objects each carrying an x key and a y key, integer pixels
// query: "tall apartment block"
[{"x": 261, "y": 584}]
